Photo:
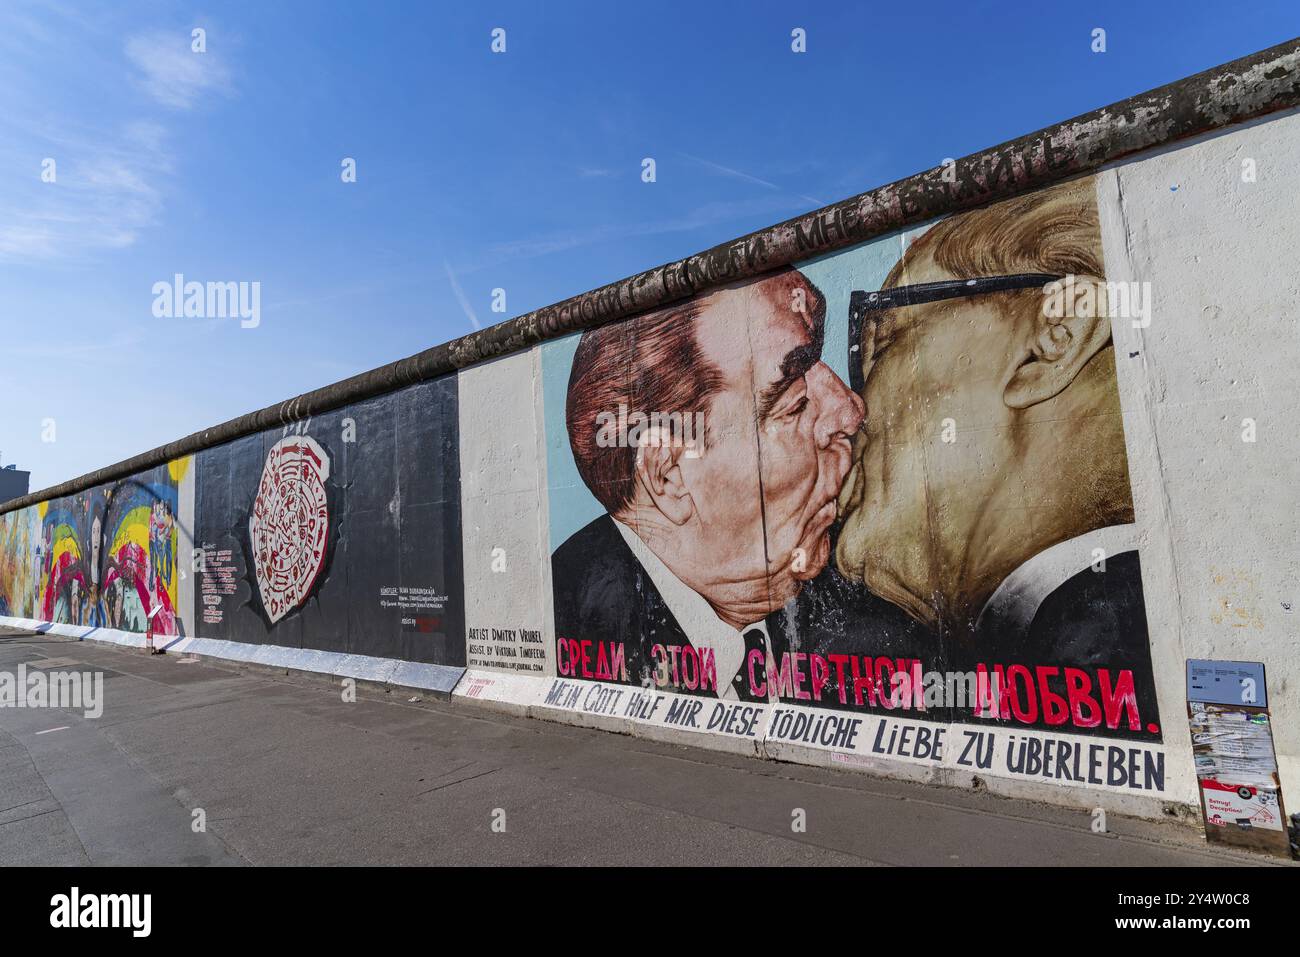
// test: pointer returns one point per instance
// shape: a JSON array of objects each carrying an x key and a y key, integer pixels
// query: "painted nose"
[{"x": 839, "y": 410}]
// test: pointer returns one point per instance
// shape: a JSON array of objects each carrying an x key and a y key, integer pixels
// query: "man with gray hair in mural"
[
  {"x": 703, "y": 543},
  {"x": 989, "y": 494}
]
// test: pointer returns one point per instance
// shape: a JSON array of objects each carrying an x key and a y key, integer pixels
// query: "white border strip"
[
  {"x": 875, "y": 741},
  {"x": 389, "y": 671}
]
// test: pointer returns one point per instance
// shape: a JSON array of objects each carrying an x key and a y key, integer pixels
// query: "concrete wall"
[
  {"x": 1071, "y": 477},
  {"x": 1211, "y": 401}
]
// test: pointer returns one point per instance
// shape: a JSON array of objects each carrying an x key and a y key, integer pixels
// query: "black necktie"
[{"x": 755, "y": 640}]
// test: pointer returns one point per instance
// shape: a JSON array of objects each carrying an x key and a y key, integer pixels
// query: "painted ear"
[
  {"x": 658, "y": 471},
  {"x": 1070, "y": 327}
]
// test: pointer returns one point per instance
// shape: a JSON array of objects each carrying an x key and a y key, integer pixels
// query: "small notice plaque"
[
  {"x": 1232, "y": 746},
  {"x": 1226, "y": 682}
]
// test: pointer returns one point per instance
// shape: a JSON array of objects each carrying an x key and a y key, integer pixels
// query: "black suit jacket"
[
  {"x": 602, "y": 593},
  {"x": 1092, "y": 620}
]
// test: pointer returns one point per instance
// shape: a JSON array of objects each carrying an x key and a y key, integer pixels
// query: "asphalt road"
[{"x": 284, "y": 771}]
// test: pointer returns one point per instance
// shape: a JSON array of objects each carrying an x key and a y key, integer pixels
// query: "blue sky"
[{"x": 475, "y": 170}]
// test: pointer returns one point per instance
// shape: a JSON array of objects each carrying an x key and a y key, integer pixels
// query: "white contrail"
[
  {"x": 741, "y": 174},
  {"x": 460, "y": 295}
]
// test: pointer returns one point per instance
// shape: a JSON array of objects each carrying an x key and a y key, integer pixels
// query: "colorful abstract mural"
[
  {"x": 19, "y": 538},
  {"x": 107, "y": 557}
]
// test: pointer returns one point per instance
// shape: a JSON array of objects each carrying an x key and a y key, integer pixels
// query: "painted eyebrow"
[{"x": 794, "y": 367}]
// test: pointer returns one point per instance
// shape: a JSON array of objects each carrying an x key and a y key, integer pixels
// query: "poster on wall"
[
  {"x": 341, "y": 533},
  {"x": 1232, "y": 749},
  {"x": 103, "y": 558},
  {"x": 889, "y": 481}
]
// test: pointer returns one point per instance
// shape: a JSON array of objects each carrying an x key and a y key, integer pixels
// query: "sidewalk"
[{"x": 286, "y": 772}]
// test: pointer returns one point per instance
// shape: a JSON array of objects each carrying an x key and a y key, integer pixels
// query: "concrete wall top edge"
[{"x": 1235, "y": 92}]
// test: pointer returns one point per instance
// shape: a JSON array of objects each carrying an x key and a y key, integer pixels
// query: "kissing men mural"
[
  {"x": 708, "y": 538},
  {"x": 828, "y": 484}
]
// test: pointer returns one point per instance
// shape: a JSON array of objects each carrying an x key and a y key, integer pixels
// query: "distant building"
[{"x": 13, "y": 483}]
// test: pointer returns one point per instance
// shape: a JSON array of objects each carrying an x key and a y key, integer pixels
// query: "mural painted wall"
[
  {"x": 932, "y": 505},
  {"x": 20, "y": 538},
  {"x": 892, "y": 481},
  {"x": 104, "y": 558},
  {"x": 342, "y": 534}
]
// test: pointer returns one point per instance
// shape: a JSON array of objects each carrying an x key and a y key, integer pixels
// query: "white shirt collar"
[
  {"x": 1016, "y": 600},
  {"x": 696, "y": 616}
]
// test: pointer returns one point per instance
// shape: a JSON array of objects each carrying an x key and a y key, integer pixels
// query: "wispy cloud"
[
  {"x": 707, "y": 215},
  {"x": 104, "y": 189},
  {"x": 778, "y": 201},
  {"x": 85, "y": 183},
  {"x": 85, "y": 352},
  {"x": 173, "y": 73}
]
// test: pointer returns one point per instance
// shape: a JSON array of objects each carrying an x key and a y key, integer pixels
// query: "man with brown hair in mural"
[
  {"x": 989, "y": 494},
  {"x": 705, "y": 540}
]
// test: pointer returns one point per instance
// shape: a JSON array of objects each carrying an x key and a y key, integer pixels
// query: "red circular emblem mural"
[{"x": 289, "y": 526}]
